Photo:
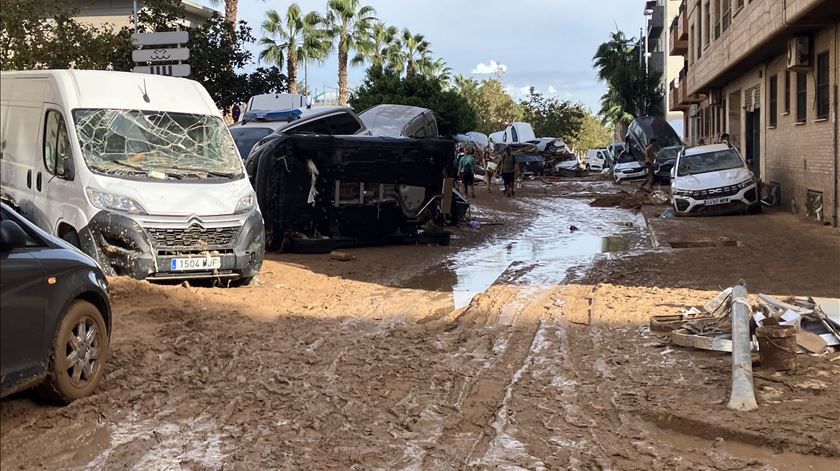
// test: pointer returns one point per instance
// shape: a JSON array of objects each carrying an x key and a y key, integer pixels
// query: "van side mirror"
[
  {"x": 11, "y": 236},
  {"x": 69, "y": 168}
]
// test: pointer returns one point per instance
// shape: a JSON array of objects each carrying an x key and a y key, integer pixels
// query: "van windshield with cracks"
[
  {"x": 709, "y": 162},
  {"x": 156, "y": 144}
]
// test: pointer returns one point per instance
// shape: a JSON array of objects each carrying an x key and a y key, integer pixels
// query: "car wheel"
[
  {"x": 72, "y": 238},
  {"x": 243, "y": 281},
  {"x": 79, "y": 352}
]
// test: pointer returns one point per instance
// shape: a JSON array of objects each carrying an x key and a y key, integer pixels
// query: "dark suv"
[{"x": 55, "y": 315}]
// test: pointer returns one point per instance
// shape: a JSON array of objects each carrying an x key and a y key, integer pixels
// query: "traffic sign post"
[
  {"x": 172, "y": 70},
  {"x": 165, "y": 58},
  {"x": 160, "y": 55}
]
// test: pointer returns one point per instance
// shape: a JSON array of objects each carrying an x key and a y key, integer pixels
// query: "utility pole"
[{"x": 134, "y": 12}]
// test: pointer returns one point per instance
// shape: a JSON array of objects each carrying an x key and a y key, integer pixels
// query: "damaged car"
[
  {"x": 322, "y": 192},
  {"x": 138, "y": 171},
  {"x": 713, "y": 179}
]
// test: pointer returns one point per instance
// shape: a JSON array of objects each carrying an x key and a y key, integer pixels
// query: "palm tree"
[
  {"x": 231, "y": 9},
  {"x": 612, "y": 55},
  {"x": 298, "y": 38},
  {"x": 383, "y": 47},
  {"x": 351, "y": 24},
  {"x": 415, "y": 49},
  {"x": 438, "y": 69}
]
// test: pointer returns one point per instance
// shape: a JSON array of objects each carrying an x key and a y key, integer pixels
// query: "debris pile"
[{"x": 814, "y": 323}]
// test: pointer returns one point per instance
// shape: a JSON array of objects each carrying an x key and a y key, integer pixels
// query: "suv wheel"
[{"x": 79, "y": 351}]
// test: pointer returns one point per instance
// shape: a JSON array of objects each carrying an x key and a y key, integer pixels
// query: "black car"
[
  {"x": 55, "y": 315},
  {"x": 664, "y": 162}
]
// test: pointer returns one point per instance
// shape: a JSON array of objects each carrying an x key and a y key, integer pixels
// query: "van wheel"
[
  {"x": 78, "y": 354},
  {"x": 72, "y": 238}
]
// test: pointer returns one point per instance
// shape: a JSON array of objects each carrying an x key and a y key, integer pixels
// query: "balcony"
[
  {"x": 656, "y": 24},
  {"x": 684, "y": 99},
  {"x": 675, "y": 102},
  {"x": 682, "y": 23},
  {"x": 678, "y": 47}
]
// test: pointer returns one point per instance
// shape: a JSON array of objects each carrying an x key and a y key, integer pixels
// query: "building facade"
[
  {"x": 765, "y": 72},
  {"x": 660, "y": 14},
  {"x": 118, "y": 12}
]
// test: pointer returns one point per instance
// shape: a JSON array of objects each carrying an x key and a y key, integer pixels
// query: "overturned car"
[{"x": 321, "y": 192}]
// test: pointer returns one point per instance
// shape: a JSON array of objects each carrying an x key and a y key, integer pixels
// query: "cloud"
[
  {"x": 551, "y": 90},
  {"x": 491, "y": 68}
]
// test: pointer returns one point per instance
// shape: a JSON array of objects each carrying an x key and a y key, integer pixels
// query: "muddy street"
[{"x": 523, "y": 345}]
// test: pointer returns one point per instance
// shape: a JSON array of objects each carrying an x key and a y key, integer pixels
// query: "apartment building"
[
  {"x": 660, "y": 14},
  {"x": 765, "y": 72},
  {"x": 118, "y": 12}
]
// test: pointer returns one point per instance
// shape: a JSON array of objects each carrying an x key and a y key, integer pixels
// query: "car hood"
[
  {"x": 628, "y": 165},
  {"x": 703, "y": 181}
]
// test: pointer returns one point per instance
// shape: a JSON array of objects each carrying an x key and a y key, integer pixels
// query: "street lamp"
[{"x": 648, "y": 12}]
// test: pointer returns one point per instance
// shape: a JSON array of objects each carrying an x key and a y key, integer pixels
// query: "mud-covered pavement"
[{"x": 389, "y": 362}]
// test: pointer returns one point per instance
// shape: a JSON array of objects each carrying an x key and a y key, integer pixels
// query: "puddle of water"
[
  {"x": 541, "y": 253},
  {"x": 785, "y": 461}
]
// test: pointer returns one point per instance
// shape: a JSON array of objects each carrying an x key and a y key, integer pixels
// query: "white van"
[
  {"x": 516, "y": 132},
  {"x": 139, "y": 171},
  {"x": 598, "y": 159}
]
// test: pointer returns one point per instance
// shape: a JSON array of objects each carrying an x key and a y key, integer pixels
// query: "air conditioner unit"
[
  {"x": 715, "y": 97},
  {"x": 799, "y": 53}
]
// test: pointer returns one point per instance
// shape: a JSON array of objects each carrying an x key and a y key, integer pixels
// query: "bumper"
[
  {"x": 686, "y": 205},
  {"x": 634, "y": 174},
  {"x": 122, "y": 247}
]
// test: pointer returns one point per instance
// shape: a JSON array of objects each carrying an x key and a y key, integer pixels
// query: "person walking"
[
  {"x": 650, "y": 156},
  {"x": 490, "y": 166},
  {"x": 466, "y": 170},
  {"x": 508, "y": 171}
]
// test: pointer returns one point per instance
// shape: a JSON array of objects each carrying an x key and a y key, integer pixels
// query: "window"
[
  {"x": 801, "y": 97},
  {"x": 718, "y": 9},
  {"x": 693, "y": 38},
  {"x": 822, "y": 86},
  {"x": 56, "y": 144},
  {"x": 774, "y": 96},
  {"x": 787, "y": 92},
  {"x": 707, "y": 14}
]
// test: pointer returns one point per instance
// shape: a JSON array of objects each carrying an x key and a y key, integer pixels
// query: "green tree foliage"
[
  {"x": 592, "y": 134},
  {"x": 453, "y": 111},
  {"x": 29, "y": 40},
  {"x": 297, "y": 37},
  {"x": 631, "y": 91},
  {"x": 552, "y": 117},
  {"x": 494, "y": 107}
]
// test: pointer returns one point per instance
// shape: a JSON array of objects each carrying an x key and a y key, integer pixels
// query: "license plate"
[
  {"x": 196, "y": 263},
  {"x": 714, "y": 201}
]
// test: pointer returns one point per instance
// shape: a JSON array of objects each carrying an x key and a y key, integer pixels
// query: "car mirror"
[
  {"x": 11, "y": 236},
  {"x": 69, "y": 170}
]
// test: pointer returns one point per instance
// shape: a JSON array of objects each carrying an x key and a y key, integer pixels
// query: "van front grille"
[{"x": 194, "y": 238}]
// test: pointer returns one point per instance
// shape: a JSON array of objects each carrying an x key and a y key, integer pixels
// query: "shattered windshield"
[
  {"x": 709, "y": 162},
  {"x": 156, "y": 144}
]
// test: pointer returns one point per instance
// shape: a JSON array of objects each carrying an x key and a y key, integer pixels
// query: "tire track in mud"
[{"x": 499, "y": 326}]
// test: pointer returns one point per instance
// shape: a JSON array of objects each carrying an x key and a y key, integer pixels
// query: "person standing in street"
[
  {"x": 650, "y": 155},
  {"x": 466, "y": 171},
  {"x": 508, "y": 171}
]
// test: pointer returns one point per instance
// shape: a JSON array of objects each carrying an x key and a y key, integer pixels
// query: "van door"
[
  {"x": 54, "y": 175},
  {"x": 20, "y": 151}
]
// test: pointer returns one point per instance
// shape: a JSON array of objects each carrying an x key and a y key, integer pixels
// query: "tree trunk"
[
  {"x": 409, "y": 68},
  {"x": 291, "y": 69},
  {"x": 342, "y": 74},
  {"x": 231, "y": 7}
]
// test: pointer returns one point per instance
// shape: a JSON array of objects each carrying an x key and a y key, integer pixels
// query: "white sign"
[
  {"x": 160, "y": 55},
  {"x": 174, "y": 70},
  {"x": 159, "y": 39}
]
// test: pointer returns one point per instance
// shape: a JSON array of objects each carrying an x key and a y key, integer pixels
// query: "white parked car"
[
  {"x": 628, "y": 168},
  {"x": 597, "y": 159},
  {"x": 713, "y": 179}
]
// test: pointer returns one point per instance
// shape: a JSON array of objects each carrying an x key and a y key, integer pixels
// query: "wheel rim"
[{"x": 82, "y": 352}]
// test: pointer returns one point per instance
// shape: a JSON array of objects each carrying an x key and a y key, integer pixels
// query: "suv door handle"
[
  {"x": 38, "y": 181},
  {"x": 29, "y": 179}
]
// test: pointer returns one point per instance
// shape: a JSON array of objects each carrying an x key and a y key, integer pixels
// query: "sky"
[{"x": 547, "y": 44}]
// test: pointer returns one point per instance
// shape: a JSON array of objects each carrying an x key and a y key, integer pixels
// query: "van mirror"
[
  {"x": 69, "y": 169},
  {"x": 11, "y": 236}
]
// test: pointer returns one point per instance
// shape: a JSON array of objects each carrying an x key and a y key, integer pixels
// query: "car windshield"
[
  {"x": 247, "y": 138},
  {"x": 667, "y": 153},
  {"x": 709, "y": 162},
  {"x": 156, "y": 144}
]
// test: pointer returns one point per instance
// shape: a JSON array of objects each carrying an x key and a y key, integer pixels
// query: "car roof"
[
  {"x": 706, "y": 149},
  {"x": 308, "y": 114}
]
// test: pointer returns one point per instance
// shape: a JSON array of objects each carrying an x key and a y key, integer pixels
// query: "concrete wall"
[{"x": 117, "y": 13}]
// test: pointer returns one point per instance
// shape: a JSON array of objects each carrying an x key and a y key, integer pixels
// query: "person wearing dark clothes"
[
  {"x": 466, "y": 170},
  {"x": 650, "y": 156},
  {"x": 508, "y": 170}
]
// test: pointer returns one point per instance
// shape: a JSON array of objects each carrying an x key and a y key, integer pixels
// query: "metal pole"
[
  {"x": 743, "y": 395},
  {"x": 134, "y": 12}
]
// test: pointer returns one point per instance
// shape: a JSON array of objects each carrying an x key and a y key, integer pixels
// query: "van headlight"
[
  {"x": 246, "y": 203},
  {"x": 105, "y": 200}
]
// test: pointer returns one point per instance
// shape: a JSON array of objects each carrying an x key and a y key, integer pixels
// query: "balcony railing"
[
  {"x": 677, "y": 46},
  {"x": 656, "y": 23}
]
